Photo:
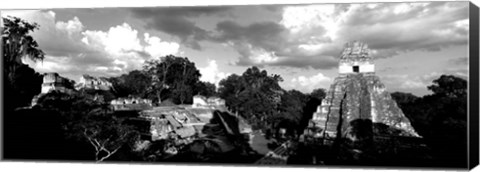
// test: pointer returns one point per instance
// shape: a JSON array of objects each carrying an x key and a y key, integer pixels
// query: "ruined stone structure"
[
  {"x": 185, "y": 121},
  {"x": 133, "y": 100},
  {"x": 210, "y": 102},
  {"x": 131, "y": 103},
  {"x": 97, "y": 83},
  {"x": 53, "y": 81},
  {"x": 355, "y": 58},
  {"x": 357, "y": 98},
  {"x": 186, "y": 124}
]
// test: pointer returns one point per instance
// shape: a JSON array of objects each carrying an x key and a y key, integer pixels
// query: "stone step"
[{"x": 321, "y": 118}]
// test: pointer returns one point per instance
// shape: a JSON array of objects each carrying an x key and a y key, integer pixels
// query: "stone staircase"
[
  {"x": 357, "y": 97},
  {"x": 327, "y": 115}
]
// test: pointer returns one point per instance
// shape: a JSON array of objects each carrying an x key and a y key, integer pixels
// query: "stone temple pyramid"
[{"x": 357, "y": 95}]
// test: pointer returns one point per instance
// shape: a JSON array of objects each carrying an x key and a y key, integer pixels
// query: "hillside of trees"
[{"x": 440, "y": 118}]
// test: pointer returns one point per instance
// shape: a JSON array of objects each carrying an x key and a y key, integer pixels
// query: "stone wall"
[
  {"x": 53, "y": 81},
  {"x": 356, "y": 55},
  {"x": 355, "y": 97},
  {"x": 97, "y": 83}
]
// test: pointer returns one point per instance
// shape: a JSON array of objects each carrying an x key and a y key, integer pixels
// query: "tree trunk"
[
  {"x": 107, "y": 156},
  {"x": 159, "y": 96}
]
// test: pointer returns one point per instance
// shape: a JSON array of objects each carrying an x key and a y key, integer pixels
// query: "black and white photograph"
[{"x": 316, "y": 85}]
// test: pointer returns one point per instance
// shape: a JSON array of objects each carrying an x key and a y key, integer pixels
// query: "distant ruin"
[
  {"x": 131, "y": 103},
  {"x": 97, "y": 83},
  {"x": 210, "y": 102},
  {"x": 53, "y": 81}
]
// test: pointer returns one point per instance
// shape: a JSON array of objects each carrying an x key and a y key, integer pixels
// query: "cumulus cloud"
[
  {"x": 269, "y": 43},
  {"x": 117, "y": 40},
  {"x": 308, "y": 84},
  {"x": 408, "y": 83},
  {"x": 305, "y": 36},
  {"x": 211, "y": 73},
  {"x": 315, "y": 34},
  {"x": 71, "y": 26},
  {"x": 393, "y": 28},
  {"x": 418, "y": 84},
  {"x": 158, "y": 48},
  {"x": 179, "y": 21},
  {"x": 73, "y": 51}
]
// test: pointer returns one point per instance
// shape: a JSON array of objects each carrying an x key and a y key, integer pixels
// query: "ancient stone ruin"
[
  {"x": 53, "y": 81},
  {"x": 357, "y": 105},
  {"x": 188, "y": 125},
  {"x": 96, "y": 83},
  {"x": 210, "y": 102},
  {"x": 130, "y": 103}
]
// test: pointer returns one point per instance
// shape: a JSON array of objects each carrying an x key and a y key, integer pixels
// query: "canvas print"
[{"x": 314, "y": 85}]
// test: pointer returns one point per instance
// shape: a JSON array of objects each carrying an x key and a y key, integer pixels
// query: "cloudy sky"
[{"x": 413, "y": 43}]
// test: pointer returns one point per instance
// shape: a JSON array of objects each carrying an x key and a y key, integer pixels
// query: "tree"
[
  {"x": 206, "y": 89},
  {"x": 106, "y": 134},
  {"x": 172, "y": 74},
  {"x": 27, "y": 84},
  {"x": 90, "y": 121},
  {"x": 158, "y": 70},
  {"x": 135, "y": 83},
  {"x": 441, "y": 118},
  {"x": 447, "y": 119},
  {"x": 291, "y": 109},
  {"x": 318, "y": 94},
  {"x": 255, "y": 95},
  {"x": 450, "y": 86},
  {"x": 314, "y": 99},
  {"x": 17, "y": 43},
  {"x": 182, "y": 92},
  {"x": 230, "y": 88},
  {"x": 404, "y": 98},
  {"x": 186, "y": 78}
]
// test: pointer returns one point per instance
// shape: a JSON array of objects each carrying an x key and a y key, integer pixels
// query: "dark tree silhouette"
[
  {"x": 90, "y": 121},
  {"x": 206, "y": 89},
  {"x": 176, "y": 76},
  {"x": 314, "y": 99},
  {"x": 255, "y": 95},
  {"x": 135, "y": 83},
  {"x": 441, "y": 119},
  {"x": 17, "y": 43}
]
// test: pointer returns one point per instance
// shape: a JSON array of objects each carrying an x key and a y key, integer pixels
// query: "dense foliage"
[
  {"x": 172, "y": 77},
  {"x": 441, "y": 118},
  {"x": 91, "y": 121},
  {"x": 255, "y": 95},
  {"x": 169, "y": 78},
  {"x": 134, "y": 83},
  {"x": 20, "y": 81},
  {"x": 258, "y": 97}
]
